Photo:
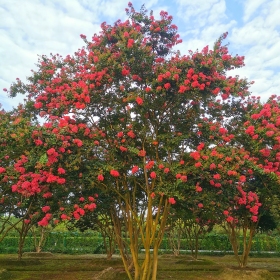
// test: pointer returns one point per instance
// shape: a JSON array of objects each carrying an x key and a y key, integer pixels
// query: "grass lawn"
[{"x": 86, "y": 267}]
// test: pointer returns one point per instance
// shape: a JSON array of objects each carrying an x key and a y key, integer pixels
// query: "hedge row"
[{"x": 91, "y": 243}]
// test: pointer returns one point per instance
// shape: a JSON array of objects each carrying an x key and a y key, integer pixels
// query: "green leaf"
[{"x": 43, "y": 159}]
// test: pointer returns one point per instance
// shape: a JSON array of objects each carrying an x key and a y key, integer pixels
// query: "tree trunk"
[
  {"x": 139, "y": 224},
  {"x": 20, "y": 247},
  {"x": 234, "y": 240}
]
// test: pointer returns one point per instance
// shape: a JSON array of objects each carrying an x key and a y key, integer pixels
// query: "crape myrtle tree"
[
  {"x": 261, "y": 138},
  {"x": 126, "y": 112},
  {"x": 100, "y": 221},
  {"x": 22, "y": 197},
  {"x": 243, "y": 170},
  {"x": 14, "y": 135},
  {"x": 32, "y": 177},
  {"x": 191, "y": 219}
]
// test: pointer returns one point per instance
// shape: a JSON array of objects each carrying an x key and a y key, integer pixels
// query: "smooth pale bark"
[
  {"x": 39, "y": 241},
  {"x": 248, "y": 230},
  {"x": 148, "y": 228},
  {"x": 23, "y": 231}
]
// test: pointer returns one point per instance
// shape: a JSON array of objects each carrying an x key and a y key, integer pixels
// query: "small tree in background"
[{"x": 99, "y": 220}]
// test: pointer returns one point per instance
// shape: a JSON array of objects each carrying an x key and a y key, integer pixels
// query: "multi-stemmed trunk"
[
  {"x": 194, "y": 232},
  {"x": 23, "y": 231},
  {"x": 247, "y": 232},
  {"x": 40, "y": 237},
  {"x": 174, "y": 234},
  {"x": 145, "y": 229}
]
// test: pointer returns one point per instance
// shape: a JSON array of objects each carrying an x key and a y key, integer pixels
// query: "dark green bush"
[{"x": 92, "y": 243}]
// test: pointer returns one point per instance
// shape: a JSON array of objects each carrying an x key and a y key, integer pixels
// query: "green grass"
[{"x": 85, "y": 267}]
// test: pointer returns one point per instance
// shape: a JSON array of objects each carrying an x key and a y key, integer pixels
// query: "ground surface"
[{"x": 86, "y": 267}]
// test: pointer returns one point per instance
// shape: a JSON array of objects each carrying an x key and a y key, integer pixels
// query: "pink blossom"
[
  {"x": 2, "y": 170},
  {"x": 134, "y": 169},
  {"x": 184, "y": 178},
  {"x": 51, "y": 151},
  {"x": 217, "y": 176},
  {"x": 47, "y": 195},
  {"x": 91, "y": 206},
  {"x": 171, "y": 200},
  {"x": 64, "y": 217},
  {"x": 139, "y": 100},
  {"x": 61, "y": 170},
  {"x": 254, "y": 219},
  {"x": 229, "y": 219},
  {"x": 44, "y": 222},
  {"x": 120, "y": 134},
  {"x": 130, "y": 43},
  {"x": 242, "y": 178},
  {"x": 61, "y": 181},
  {"x": 114, "y": 173},
  {"x": 166, "y": 170},
  {"x": 46, "y": 209},
  {"x": 100, "y": 177},
  {"x": 131, "y": 134},
  {"x": 123, "y": 149}
]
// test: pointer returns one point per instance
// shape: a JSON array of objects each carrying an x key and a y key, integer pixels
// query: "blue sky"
[{"x": 28, "y": 28}]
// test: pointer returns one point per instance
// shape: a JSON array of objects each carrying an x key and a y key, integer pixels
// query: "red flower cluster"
[{"x": 114, "y": 173}]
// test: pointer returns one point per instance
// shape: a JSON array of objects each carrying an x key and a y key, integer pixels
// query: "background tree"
[
  {"x": 99, "y": 220},
  {"x": 14, "y": 138},
  {"x": 241, "y": 174}
]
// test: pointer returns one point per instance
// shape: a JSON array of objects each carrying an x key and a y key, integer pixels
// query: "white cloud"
[
  {"x": 259, "y": 40},
  {"x": 151, "y": 3},
  {"x": 250, "y": 7},
  {"x": 255, "y": 33},
  {"x": 201, "y": 12}
]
